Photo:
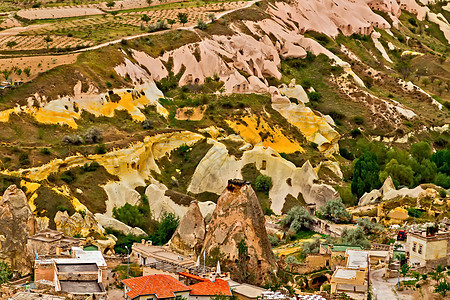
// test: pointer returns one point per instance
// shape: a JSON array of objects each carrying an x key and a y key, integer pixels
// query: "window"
[
  {"x": 420, "y": 249},
  {"x": 414, "y": 247},
  {"x": 263, "y": 165}
]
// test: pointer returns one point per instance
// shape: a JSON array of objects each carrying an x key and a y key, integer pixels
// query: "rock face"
[
  {"x": 77, "y": 224},
  {"x": 109, "y": 222},
  {"x": 217, "y": 166},
  {"x": 238, "y": 215},
  {"x": 388, "y": 192},
  {"x": 17, "y": 222},
  {"x": 190, "y": 234}
]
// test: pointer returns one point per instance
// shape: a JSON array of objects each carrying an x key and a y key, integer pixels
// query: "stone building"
[
  {"x": 50, "y": 242},
  {"x": 429, "y": 247}
]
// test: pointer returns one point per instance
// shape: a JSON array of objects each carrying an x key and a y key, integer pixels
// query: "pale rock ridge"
[
  {"x": 17, "y": 222},
  {"x": 330, "y": 16},
  {"x": 109, "y": 222},
  {"x": 295, "y": 91},
  {"x": 133, "y": 165},
  {"x": 257, "y": 58},
  {"x": 388, "y": 192},
  {"x": 238, "y": 216},
  {"x": 217, "y": 167},
  {"x": 160, "y": 203},
  {"x": 190, "y": 234},
  {"x": 375, "y": 36},
  {"x": 153, "y": 65}
]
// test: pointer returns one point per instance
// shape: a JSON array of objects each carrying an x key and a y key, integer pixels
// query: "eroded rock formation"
[
  {"x": 17, "y": 222},
  {"x": 190, "y": 234},
  {"x": 77, "y": 224},
  {"x": 238, "y": 216}
]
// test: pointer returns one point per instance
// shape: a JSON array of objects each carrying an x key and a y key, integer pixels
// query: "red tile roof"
[
  {"x": 192, "y": 276},
  {"x": 209, "y": 288},
  {"x": 162, "y": 286}
]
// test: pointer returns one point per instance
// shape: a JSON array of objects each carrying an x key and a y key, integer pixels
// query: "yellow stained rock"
[
  {"x": 250, "y": 130},
  {"x": 31, "y": 188},
  {"x": 65, "y": 111},
  {"x": 65, "y": 191}
]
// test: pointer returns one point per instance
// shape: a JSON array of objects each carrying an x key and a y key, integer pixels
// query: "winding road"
[{"x": 383, "y": 289}]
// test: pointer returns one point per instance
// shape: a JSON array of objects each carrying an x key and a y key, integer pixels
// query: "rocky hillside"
[{"x": 288, "y": 95}]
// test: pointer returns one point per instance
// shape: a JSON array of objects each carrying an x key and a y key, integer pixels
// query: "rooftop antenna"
[
  {"x": 218, "y": 271},
  {"x": 204, "y": 262}
]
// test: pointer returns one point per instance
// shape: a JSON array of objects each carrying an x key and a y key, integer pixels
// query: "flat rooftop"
[
  {"x": 77, "y": 268},
  {"x": 32, "y": 296},
  {"x": 348, "y": 276},
  {"x": 357, "y": 259},
  {"x": 81, "y": 287}
]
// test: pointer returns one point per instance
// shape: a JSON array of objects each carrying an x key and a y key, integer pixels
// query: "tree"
[
  {"x": 149, "y": 2},
  {"x": 5, "y": 272},
  {"x": 110, "y": 3},
  {"x": 335, "y": 208},
  {"x": 369, "y": 227},
  {"x": 438, "y": 274},
  {"x": 355, "y": 237},
  {"x": 311, "y": 247},
  {"x": 48, "y": 39},
  {"x": 145, "y": 18},
  {"x": 170, "y": 22},
  {"x": 242, "y": 259},
  {"x": 404, "y": 270},
  {"x": 365, "y": 174},
  {"x": 442, "y": 288},
  {"x": 404, "y": 66},
  {"x": 11, "y": 44},
  {"x": 263, "y": 183},
  {"x": 201, "y": 25},
  {"x": 129, "y": 214},
  {"x": 421, "y": 151},
  {"x": 297, "y": 219},
  {"x": 166, "y": 228},
  {"x": 212, "y": 17},
  {"x": 425, "y": 81},
  {"x": 182, "y": 18},
  {"x": 402, "y": 174}
]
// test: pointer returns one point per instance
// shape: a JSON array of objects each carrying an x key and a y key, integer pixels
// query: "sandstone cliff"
[
  {"x": 238, "y": 216},
  {"x": 17, "y": 222},
  {"x": 190, "y": 234}
]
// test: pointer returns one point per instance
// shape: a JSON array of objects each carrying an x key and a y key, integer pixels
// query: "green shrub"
[
  {"x": 314, "y": 96},
  {"x": 68, "y": 177},
  {"x": 100, "y": 149},
  {"x": 263, "y": 183},
  {"x": 45, "y": 151},
  {"x": 358, "y": 120},
  {"x": 442, "y": 193}
]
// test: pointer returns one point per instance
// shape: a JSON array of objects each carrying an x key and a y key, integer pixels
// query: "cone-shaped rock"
[
  {"x": 17, "y": 222},
  {"x": 190, "y": 234},
  {"x": 238, "y": 216}
]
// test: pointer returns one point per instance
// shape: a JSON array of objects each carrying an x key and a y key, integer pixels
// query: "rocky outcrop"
[
  {"x": 160, "y": 202},
  {"x": 388, "y": 192},
  {"x": 109, "y": 222},
  {"x": 77, "y": 225},
  {"x": 218, "y": 166},
  {"x": 238, "y": 216},
  {"x": 190, "y": 234},
  {"x": 17, "y": 222}
]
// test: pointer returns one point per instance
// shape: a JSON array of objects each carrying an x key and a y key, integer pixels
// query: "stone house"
[
  {"x": 429, "y": 248},
  {"x": 84, "y": 273}
]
